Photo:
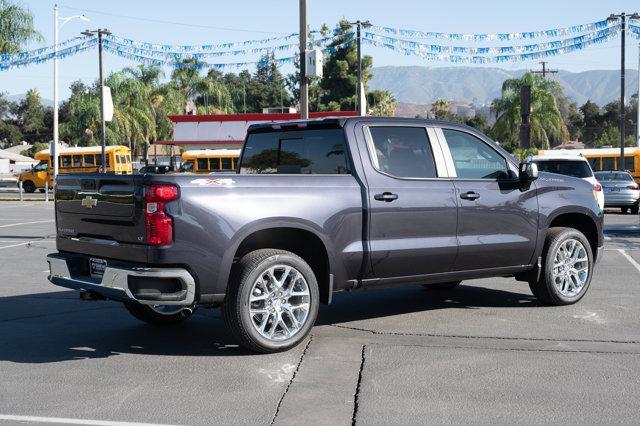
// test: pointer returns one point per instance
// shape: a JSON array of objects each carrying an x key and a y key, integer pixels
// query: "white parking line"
[
  {"x": 630, "y": 259},
  {"x": 25, "y": 243},
  {"x": 26, "y": 223},
  {"x": 61, "y": 420}
]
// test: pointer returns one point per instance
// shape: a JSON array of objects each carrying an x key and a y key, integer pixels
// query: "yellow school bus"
[
  {"x": 606, "y": 159},
  {"x": 210, "y": 160},
  {"x": 76, "y": 160}
]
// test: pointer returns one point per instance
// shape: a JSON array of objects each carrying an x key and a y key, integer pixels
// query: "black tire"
[
  {"x": 235, "y": 310},
  {"x": 624, "y": 210},
  {"x": 41, "y": 190},
  {"x": 28, "y": 187},
  {"x": 147, "y": 314},
  {"x": 545, "y": 289},
  {"x": 442, "y": 286},
  {"x": 635, "y": 209}
]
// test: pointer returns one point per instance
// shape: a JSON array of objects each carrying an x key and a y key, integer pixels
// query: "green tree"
[
  {"x": 9, "y": 132},
  {"x": 340, "y": 74},
  {"x": 267, "y": 88},
  {"x": 381, "y": 103},
  {"x": 80, "y": 115},
  {"x": 16, "y": 27},
  {"x": 547, "y": 127},
  {"x": 30, "y": 114},
  {"x": 479, "y": 122}
]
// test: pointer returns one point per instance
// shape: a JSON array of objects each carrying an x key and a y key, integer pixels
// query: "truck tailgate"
[{"x": 101, "y": 207}]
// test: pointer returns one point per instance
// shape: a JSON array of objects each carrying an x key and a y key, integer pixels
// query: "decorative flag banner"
[
  {"x": 178, "y": 55},
  {"x": 201, "y": 65},
  {"x": 437, "y": 48},
  {"x": 575, "y": 29},
  {"x": 63, "y": 53},
  {"x": 204, "y": 47},
  {"x": 635, "y": 30},
  {"x": 37, "y": 52},
  {"x": 493, "y": 59}
]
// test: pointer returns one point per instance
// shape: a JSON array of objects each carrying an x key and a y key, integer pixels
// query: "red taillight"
[
  {"x": 634, "y": 187},
  {"x": 159, "y": 224},
  {"x": 597, "y": 187}
]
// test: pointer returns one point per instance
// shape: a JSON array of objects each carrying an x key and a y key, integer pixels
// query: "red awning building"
[{"x": 228, "y": 130}]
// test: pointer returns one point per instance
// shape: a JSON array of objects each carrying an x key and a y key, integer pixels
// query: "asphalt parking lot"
[{"x": 483, "y": 353}]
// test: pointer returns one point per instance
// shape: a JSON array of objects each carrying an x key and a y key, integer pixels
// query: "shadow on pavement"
[
  {"x": 356, "y": 306},
  {"x": 74, "y": 330}
]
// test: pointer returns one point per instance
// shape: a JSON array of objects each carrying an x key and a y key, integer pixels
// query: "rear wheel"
[
  {"x": 158, "y": 314},
  {"x": 635, "y": 209},
  {"x": 624, "y": 210},
  {"x": 442, "y": 286},
  {"x": 567, "y": 267},
  {"x": 272, "y": 301},
  {"x": 28, "y": 186}
]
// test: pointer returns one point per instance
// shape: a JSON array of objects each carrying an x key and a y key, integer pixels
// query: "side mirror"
[{"x": 528, "y": 172}]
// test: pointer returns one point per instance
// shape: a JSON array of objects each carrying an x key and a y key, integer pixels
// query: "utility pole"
[
  {"x": 57, "y": 24},
  {"x": 304, "y": 81},
  {"x": 544, "y": 70},
  {"x": 638, "y": 107},
  {"x": 359, "y": 95},
  {"x": 103, "y": 136},
  {"x": 623, "y": 20}
]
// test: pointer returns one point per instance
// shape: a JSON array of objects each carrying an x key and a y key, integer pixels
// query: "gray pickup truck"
[{"x": 317, "y": 207}]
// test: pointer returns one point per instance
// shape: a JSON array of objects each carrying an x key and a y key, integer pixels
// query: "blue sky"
[{"x": 215, "y": 21}]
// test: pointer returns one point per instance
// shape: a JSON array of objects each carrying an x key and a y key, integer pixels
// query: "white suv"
[{"x": 571, "y": 165}]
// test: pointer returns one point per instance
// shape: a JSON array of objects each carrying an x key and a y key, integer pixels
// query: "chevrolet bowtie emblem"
[{"x": 89, "y": 202}]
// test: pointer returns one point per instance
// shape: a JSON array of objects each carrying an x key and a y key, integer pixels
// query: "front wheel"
[
  {"x": 272, "y": 301},
  {"x": 158, "y": 314},
  {"x": 28, "y": 187},
  {"x": 567, "y": 268}
]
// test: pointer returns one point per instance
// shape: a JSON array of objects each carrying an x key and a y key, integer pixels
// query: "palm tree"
[
  {"x": 547, "y": 127},
  {"x": 16, "y": 27},
  {"x": 440, "y": 109}
]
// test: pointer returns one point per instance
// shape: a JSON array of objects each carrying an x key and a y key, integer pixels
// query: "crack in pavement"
[
  {"x": 455, "y": 336},
  {"x": 304, "y": 352},
  {"x": 357, "y": 394}
]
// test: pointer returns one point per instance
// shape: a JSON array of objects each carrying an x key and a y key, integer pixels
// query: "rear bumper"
[{"x": 69, "y": 270}]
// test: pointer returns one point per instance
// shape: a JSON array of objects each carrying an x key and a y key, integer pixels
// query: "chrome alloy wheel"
[
  {"x": 570, "y": 267},
  {"x": 279, "y": 302}
]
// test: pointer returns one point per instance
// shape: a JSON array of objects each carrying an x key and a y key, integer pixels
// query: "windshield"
[
  {"x": 42, "y": 166},
  {"x": 187, "y": 166},
  {"x": 620, "y": 176},
  {"x": 575, "y": 168}
]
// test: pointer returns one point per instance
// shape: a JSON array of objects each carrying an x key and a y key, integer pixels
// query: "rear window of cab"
[{"x": 574, "y": 168}]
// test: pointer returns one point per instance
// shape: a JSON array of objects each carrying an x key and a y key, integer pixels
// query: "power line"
[
  {"x": 544, "y": 70},
  {"x": 160, "y": 21}
]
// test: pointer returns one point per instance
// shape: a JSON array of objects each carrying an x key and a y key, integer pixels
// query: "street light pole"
[
  {"x": 57, "y": 24},
  {"x": 359, "y": 95},
  {"x": 623, "y": 20},
  {"x": 103, "y": 136},
  {"x": 304, "y": 82},
  {"x": 638, "y": 106}
]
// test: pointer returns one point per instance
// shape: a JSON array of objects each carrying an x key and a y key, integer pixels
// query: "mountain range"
[{"x": 478, "y": 86}]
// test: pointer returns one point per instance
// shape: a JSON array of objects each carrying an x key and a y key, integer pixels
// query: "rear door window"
[
  {"x": 403, "y": 151},
  {"x": 316, "y": 151}
]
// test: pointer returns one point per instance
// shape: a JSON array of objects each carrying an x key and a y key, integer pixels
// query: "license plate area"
[
  {"x": 615, "y": 190},
  {"x": 97, "y": 267}
]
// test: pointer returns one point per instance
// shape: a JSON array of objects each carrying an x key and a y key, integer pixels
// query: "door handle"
[
  {"x": 386, "y": 197},
  {"x": 470, "y": 195}
]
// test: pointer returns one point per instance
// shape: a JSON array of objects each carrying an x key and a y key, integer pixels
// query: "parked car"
[
  {"x": 322, "y": 206},
  {"x": 569, "y": 165},
  {"x": 620, "y": 190}
]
